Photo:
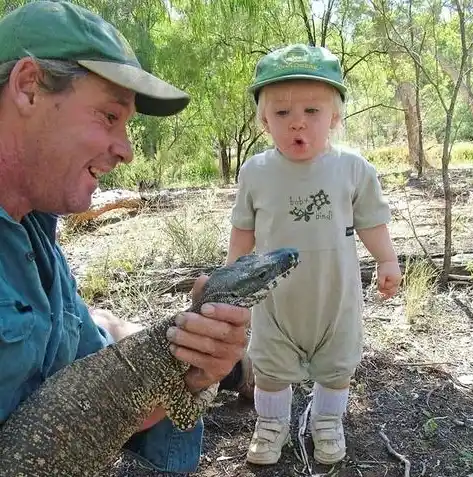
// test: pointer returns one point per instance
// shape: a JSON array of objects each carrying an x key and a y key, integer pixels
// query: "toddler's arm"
[
  {"x": 378, "y": 242},
  {"x": 242, "y": 242}
]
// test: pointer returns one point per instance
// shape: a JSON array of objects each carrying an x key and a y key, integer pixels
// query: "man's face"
[{"x": 70, "y": 140}]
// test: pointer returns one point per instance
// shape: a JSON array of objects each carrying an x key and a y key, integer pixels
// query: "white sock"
[
  {"x": 329, "y": 402},
  {"x": 275, "y": 404}
]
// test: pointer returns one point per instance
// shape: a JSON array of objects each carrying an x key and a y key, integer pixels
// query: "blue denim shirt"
[{"x": 45, "y": 325}]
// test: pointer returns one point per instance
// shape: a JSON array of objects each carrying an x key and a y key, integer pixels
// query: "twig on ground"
[
  {"x": 412, "y": 226},
  {"x": 460, "y": 278},
  {"x": 403, "y": 459},
  {"x": 429, "y": 394},
  {"x": 425, "y": 363},
  {"x": 466, "y": 309},
  {"x": 300, "y": 437},
  {"x": 217, "y": 425}
]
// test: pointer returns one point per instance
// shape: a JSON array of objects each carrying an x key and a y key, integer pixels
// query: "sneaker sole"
[
  {"x": 329, "y": 461},
  {"x": 257, "y": 461}
]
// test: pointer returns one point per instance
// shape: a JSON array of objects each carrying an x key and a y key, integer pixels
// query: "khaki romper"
[{"x": 310, "y": 326}]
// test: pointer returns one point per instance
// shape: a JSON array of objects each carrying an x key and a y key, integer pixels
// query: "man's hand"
[
  {"x": 389, "y": 278},
  {"x": 211, "y": 342}
]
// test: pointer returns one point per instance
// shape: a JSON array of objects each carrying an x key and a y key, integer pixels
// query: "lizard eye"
[{"x": 262, "y": 275}]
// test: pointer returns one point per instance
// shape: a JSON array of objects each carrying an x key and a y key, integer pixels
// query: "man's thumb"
[{"x": 198, "y": 287}]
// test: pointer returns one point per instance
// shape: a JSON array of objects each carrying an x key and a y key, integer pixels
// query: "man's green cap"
[
  {"x": 65, "y": 31},
  {"x": 298, "y": 62}
]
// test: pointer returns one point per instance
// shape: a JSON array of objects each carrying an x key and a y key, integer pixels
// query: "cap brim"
[
  {"x": 154, "y": 96},
  {"x": 255, "y": 88}
]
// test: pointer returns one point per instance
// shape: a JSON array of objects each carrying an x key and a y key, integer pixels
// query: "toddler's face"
[{"x": 299, "y": 116}]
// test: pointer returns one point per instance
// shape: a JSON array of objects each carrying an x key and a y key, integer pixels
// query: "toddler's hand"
[{"x": 389, "y": 278}]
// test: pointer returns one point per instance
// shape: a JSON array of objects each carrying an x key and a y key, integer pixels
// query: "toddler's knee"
[
  {"x": 335, "y": 380},
  {"x": 270, "y": 384}
]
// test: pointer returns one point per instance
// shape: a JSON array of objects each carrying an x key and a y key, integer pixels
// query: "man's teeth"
[{"x": 95, "y": 172}]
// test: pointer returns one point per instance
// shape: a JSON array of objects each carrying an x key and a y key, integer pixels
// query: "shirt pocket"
[
  {"x": 18, "y": 350},
  {"x": 68, "y": 341}
]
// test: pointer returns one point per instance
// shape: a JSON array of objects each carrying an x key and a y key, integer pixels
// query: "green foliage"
[
  {"x": 396, "y": 158},
  {"x": 210, "y": 49},
  {"x": 388, "y": 158},
  {"x": 461, "y": 154},
  {"x": 430, "y": 428}
]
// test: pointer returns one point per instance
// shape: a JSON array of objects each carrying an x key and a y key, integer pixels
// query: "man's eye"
[{"x": 111, "y": 118}]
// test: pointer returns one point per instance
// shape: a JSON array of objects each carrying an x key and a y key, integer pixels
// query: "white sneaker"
[
  {"x": 268, "y": 439},
  {"x": 329, "y": 439}
]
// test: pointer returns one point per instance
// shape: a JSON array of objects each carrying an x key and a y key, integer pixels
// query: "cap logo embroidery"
[{"x": 296, "y": 60}]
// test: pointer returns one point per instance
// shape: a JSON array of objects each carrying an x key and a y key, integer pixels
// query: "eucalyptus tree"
[{"x": 446, "y": 39}]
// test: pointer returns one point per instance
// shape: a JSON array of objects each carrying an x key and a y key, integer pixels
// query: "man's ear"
[{"x": 23, "y": 85}]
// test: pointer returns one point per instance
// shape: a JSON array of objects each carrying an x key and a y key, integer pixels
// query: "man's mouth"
[{"x": 95, "y": 173}]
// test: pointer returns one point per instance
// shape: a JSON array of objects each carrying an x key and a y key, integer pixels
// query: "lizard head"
[{"x": 249, "y": 280}]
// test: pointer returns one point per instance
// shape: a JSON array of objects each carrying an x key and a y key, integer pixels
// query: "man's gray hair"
[{"x": 57, "y": 74}]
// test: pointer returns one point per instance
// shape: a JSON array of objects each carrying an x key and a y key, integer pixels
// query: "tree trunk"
[
  {"x": 447, "y": 262},
  {"x": 407, "y": 94},
  {"x": 309, "y": 28},
  {"x": 224, "y": 161},
  {"x": 420, "y": 135},
  {"x": 447, "y": 259}
]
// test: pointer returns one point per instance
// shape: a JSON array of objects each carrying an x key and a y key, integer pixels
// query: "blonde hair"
[{"x": 338, "y": 103}]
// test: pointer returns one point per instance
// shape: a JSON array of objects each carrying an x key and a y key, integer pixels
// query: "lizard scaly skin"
[{"x": 78, "y": 420}]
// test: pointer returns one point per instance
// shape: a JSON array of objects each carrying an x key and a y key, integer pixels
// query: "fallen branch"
[
  {"x": 403, "y": 459},
  {"x": 463, "y": 275},
  {"x": 460, "y": 278},
  {"x": 425, "y": 363}
]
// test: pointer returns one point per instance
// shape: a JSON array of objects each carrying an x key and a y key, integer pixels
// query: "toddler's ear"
[
  {"x": 335, "y": 120},
  {"x": 265, "y": 124}
]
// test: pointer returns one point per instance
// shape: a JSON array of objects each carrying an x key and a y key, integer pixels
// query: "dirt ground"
[{"x": 414, "y": 384}]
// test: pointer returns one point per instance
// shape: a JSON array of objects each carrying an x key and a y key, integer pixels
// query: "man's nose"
[{"x": 122, "y": 150}]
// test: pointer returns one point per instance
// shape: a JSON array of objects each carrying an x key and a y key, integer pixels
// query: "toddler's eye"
[{"x": 282, "y": 112}]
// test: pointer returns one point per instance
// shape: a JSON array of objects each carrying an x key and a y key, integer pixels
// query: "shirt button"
[{"x": 30, "y": 256}]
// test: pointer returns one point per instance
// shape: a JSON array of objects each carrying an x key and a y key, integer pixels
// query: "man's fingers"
[
  {"x": 219, "y": 367},
  {"x": 209, "y": 327},
  {"x": 204, "y": 344},
  {"x": 234, "y": 315}
]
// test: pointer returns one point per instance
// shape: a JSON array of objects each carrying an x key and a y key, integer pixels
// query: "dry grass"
[
  {"x": 419, "y": 286},
  {"x": 133, "y": 277}
]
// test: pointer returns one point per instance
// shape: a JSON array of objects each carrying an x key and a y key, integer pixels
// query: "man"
[{"x": 69, "y": 83}]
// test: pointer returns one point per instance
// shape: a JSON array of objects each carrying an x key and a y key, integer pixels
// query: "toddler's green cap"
[{"x": 298, "y": 62}]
